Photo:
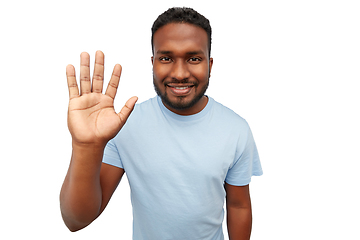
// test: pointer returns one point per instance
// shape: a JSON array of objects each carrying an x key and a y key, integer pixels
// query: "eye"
[
  {"x": 165, "y": 59},
  {"x": 194, "y": 60}
]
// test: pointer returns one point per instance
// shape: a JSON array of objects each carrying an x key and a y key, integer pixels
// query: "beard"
[{"x": 180, "y": 103}]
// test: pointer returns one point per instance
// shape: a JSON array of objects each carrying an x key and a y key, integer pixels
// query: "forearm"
[
  {"x": 81, "y": 195},
  {"x": 239, "y": 222}
]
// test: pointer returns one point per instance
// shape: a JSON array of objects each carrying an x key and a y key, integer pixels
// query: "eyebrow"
[
  {"x": 195, "y": 52},
  {"x": 163, "y": 52},
  {"x": 187, "y": 53}
]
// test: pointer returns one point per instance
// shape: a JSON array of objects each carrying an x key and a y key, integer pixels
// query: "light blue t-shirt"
[{"x": 176, "y": 166}]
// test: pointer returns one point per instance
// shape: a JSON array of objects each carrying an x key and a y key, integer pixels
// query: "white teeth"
[{"x": 181, "y": 88}]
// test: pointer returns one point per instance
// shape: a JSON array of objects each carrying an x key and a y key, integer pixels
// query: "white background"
[{"x": 290, "y": 68}]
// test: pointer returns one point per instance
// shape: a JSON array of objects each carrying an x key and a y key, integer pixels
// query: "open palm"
[{"x": 91, "y": 116}]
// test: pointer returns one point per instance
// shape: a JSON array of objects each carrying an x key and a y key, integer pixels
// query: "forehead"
[{"x": 180, "y": 37}]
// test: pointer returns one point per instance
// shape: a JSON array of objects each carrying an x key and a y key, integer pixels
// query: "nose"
[{"x": 180, "y": 71}]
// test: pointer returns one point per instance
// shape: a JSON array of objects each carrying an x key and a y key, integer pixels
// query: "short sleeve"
[
  {"x": 111, "y": 155},
  {"x": 246, "y": 164}
]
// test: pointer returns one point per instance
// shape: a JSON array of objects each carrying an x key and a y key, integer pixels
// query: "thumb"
[{"x": 127, "y": 109}]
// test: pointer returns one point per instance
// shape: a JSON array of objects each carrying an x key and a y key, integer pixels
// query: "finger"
[
  {"x": 127, "y": 109},
  {"x": 85, "y": 85},
  {"x": 114, "y": 81},
  {"x": 98, "y": 76},
  {"x": 71, "y": 81}
]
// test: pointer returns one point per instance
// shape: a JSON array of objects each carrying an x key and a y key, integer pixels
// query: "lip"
[
  {"x": 180, "y": 89},
  {"x": 180, "y": 85}
]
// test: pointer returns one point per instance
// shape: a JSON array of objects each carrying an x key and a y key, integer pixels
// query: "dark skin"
[
  {"x": 92, "y": 122},
  {"x": 181, "y": 60},
  {"x": 239, "y": 215},
  {"x": 182, "y": 67}
]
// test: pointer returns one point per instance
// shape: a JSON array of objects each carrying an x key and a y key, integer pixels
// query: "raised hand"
[{"x": 91, "y": 116}]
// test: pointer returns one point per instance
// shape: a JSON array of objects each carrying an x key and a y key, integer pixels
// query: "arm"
[
  {"x": 239, "y": 216},
  {"x": 87, "y": 188},
  {"x": 92, "y": 122}
]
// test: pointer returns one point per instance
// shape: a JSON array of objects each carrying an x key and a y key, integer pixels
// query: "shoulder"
[
  {"x": 146, "y": 109},
  {"x": 228, "y": 117},
  {"x": 146, "y": 115},
  {"x": 147, "y": 105}
]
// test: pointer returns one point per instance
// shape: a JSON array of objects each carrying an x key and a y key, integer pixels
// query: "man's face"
[{"x": 181, "y": 67}]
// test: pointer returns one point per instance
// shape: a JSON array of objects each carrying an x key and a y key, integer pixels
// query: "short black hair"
[{"x": 181, "y": 15}]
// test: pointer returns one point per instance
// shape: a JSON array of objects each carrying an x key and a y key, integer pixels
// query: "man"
[{"x": 182, "y": 151}]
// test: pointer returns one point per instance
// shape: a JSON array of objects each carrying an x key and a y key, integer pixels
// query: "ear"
[
  {"x": 211, "y": 61},
  {"x": 152, "y": 60}
]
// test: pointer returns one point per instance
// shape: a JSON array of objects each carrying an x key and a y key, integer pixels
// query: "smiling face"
[{"x": 181, "y": 67}]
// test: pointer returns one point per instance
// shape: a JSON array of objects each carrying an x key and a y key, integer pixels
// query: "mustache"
[{"x": 183, "y": 81}]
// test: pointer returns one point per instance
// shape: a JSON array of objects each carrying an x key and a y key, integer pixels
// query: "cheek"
[
  {"x": 200, "y": 72},
  {"x": 159, "y": 73}
]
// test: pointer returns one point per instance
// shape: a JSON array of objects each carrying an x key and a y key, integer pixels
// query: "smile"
[
  {"x": 181, "y": 87},
  {"x": 180, "y": 90}
]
